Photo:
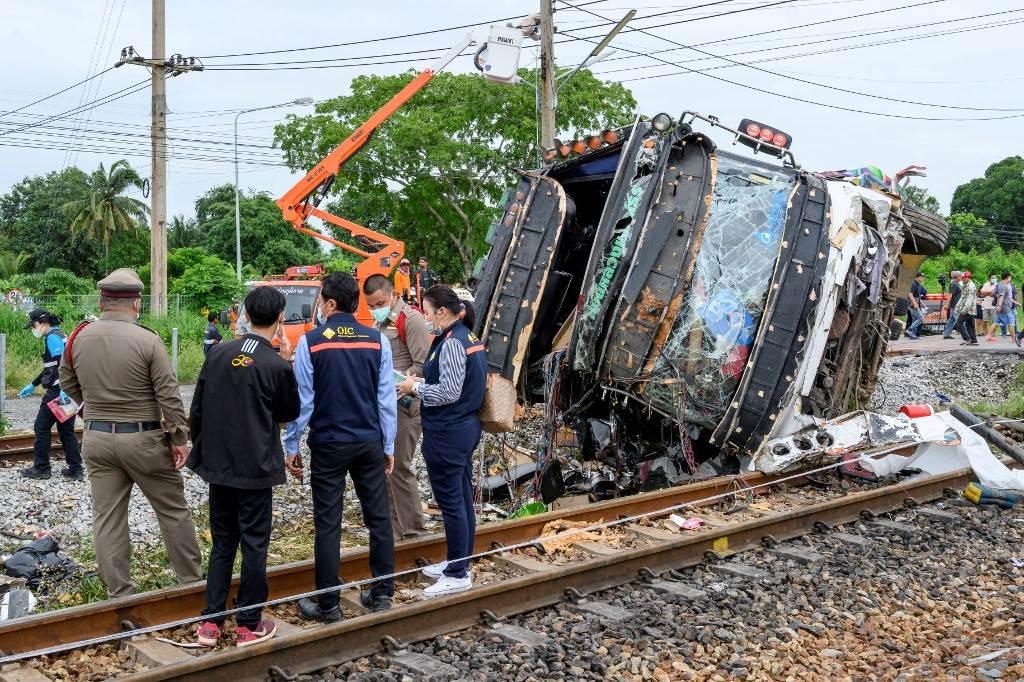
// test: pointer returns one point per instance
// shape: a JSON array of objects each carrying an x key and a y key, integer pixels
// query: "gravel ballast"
[{"x": 946, "y": 604}]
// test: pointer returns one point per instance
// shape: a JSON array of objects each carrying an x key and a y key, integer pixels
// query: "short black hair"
[
  {"x": 375, "y": 283},
  {"x": 920, "y": 274},
  {"x": 1006, "y": 275},
  {"x": 264, "y": 306},
  {"x": 341, "y": 288},
  {"x": 212, "y": 316}
]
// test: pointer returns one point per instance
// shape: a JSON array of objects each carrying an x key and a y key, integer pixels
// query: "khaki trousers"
[
  {"x": 117, "y": 462},
  {"x": 403, "y": 488}
]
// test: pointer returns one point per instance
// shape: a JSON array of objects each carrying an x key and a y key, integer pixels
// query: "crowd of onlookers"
[{"x": 971, "y": 309}]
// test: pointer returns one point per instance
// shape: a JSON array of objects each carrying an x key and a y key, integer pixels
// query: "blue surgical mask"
[
  {"x": 381, "y": 315},
  {"x": 319, "y": 315}
]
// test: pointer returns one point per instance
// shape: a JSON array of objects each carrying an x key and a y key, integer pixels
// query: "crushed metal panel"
[
  {"x": 855, "y": 432},
  {"x": 497, "y": 258},
  {"x": 783, "y": 335},
  {"x": 513, "y": 310},
  {"x": 613, "y": 245},
  {"x": 664, "y": 258},
  {"x": 715, "y": 329}
]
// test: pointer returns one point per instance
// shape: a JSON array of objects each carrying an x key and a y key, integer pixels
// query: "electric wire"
[
  {"x": 106, "y": 99},
  {"x": 55, "y": 94},
  {"x": 826, "y": 86},
  {"x": 805, "y": 100}
]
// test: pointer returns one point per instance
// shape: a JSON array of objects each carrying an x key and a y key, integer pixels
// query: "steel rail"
[
  {"x": 161, "y": 606},
  {"x": 16, "y": 447},
  {"x": 329, "y": 645}
]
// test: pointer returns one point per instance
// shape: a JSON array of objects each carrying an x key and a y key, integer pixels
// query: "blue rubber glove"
[
  {"x": 64, "y": 399},
  {"x": 27, "y": 391}
]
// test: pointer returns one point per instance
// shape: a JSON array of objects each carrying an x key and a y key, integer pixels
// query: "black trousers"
[
  {"x": 238, "y": 516},
  {"x": 329, "y": 462},
  {"x": 965, "y": 325},
  {"x": 45, "y": 420}
]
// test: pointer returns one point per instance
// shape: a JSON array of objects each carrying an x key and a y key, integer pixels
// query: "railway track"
[
  {"x": 17, "y": 447},
  {"x": 528, "y": 578}
]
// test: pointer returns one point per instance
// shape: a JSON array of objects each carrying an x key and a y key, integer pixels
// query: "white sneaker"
[
  {"x": 435, "y": 571},
  {"x": 448, "y": 585}
]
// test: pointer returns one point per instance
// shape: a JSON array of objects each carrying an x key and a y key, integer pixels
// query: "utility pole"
[
  {"x": 158, "y": 134},
  {"x": 160, "y": 67},
  {"x": 547, "y": 74}
]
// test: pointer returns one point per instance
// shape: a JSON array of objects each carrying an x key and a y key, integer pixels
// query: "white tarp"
[{"x": 937, "y": 455}]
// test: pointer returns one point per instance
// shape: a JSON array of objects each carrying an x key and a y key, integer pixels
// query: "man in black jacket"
[{"x": 244, "y": 393}]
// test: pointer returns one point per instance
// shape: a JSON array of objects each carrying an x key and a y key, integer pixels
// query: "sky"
[{"x": 966, "y": 62}]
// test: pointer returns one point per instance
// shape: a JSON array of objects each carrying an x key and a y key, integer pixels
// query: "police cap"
[
  {"x": 37, "y": 315},
  {"x": 121, "y": 283}
]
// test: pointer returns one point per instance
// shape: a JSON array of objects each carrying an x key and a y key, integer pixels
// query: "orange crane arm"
[{"x": 301, "y": 201}]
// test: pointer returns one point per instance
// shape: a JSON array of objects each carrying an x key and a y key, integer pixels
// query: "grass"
[
  {"x": 1012, "y": 406},
  {"x": 24, "y": 351}
]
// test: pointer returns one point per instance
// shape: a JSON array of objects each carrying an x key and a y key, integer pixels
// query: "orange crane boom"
[{"x": 380, "y": 252}]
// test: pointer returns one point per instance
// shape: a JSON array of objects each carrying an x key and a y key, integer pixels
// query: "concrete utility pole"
[
  {"x": 547, "y": 74},
  {"x": 160, "y": 66},
  {"x": 158, "y": 228}
]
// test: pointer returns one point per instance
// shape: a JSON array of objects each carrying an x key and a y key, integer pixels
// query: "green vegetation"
[
  {"x": 980, "y": 264},
  {"x": 1012, "y": 406},
  {"x": 104, "y": 211},
  {"x": 997, "y": 197},
  {"x": 434, "y": 174}
]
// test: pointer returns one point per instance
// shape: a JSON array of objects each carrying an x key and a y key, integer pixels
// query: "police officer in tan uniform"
[{"x": 135, "y": 431}]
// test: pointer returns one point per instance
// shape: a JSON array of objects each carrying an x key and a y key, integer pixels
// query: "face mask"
[
  {"x": 319, "y": 315},
  {"x": 37, "y": 332},
  {"x": 381, "y": 315},
  {"x": 992, "y": 280}
]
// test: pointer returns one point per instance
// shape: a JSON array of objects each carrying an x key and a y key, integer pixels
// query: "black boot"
[
  {"x": 310, "y": 610},
  {"x": 74, "y": 473},
  {"x": 36, "y": 472},
  {"x": 372, "y": 603}
]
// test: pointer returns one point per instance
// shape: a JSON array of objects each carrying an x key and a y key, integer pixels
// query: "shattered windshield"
[{"x": 710, "y": 342}]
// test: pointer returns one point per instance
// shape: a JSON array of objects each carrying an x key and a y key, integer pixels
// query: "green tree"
[
  {"x": 207, "y": 282},
  {"x": 182, "y": 233},
  {"x": 32, "y": 221},
  {"x": 920, "y": 197},
  {"x": 130, "y": 250},
  {"x": 11, "y": 263},
  {"x": 268, "y": 242},
  {"x": 998, "y": 197},
  {"x": 967, "y": 232},
  {"x": 106, "y": 211},
  {"x": 433, "y": 174}
]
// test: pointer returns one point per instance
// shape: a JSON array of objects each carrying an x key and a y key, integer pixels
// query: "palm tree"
[
  {"x": 106, "y": 211},
  {"x": 182, "y": 233},
  {"x": 11, "y": 263}
]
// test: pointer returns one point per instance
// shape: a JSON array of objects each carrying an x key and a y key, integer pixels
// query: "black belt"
[{"x": 123, "y": 427}]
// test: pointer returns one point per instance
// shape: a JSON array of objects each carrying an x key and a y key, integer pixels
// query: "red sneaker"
[
  {"x": 208, "y": 634},
  {"x": 244, "y": 636}
]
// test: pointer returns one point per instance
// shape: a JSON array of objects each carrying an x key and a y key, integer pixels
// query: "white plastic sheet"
[{"x": 938, "y": 455}]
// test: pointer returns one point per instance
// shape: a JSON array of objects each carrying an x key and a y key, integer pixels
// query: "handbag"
[{"x": 498, "y": 410}]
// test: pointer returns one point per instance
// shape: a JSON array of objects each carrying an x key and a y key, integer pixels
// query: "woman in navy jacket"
[{"x": 451, "y": 393}]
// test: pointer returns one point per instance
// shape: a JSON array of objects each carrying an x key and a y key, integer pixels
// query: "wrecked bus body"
[{"x": 679, "y": 306}]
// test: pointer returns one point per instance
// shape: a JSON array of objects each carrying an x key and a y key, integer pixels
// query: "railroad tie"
[
  {"x": 15, "y": 672},
  {"x": 153, "y": 653},
  {"x": 800, "y": 556},
  {"x": 520, "y": 564},
  {"x": 652, "y": 533},
  {"x": 677, "y": 589},
  {"x": 424, "y": 667},
  {"x": 513, "y": 634},
  {"x": 605, "y": 612},
  {"x": 596, "y": 549},
  {"x": 739, "y": 571},
  {"x": 892, "y": 527},
  {"x": 850, "y": 539},
  {"x": 938, "y": 515}
]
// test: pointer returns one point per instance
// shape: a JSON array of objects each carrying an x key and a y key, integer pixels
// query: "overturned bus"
[{"x": 678, "y": 305}]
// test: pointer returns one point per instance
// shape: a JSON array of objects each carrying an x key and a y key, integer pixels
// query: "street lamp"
[{"x": 302, "y": 101}]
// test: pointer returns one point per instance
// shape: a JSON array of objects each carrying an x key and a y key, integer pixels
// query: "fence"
[{"x": 87, "y": 305}]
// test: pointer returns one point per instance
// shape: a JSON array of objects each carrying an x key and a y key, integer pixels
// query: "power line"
[
  {"x": 835, "y": 88},
  {"x": 55, "y": 94},
  {"x": 848, "y": 36},
  {"x": 106, "y": 99},
  {"x": 816, "y": 52},
  {"x": 803, "y": 99}
]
